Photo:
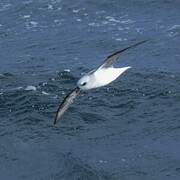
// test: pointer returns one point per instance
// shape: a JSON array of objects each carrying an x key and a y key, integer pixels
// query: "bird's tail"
[{"x": 122, "y": 70}]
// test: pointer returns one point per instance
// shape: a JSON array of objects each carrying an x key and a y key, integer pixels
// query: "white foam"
[
  {"x": 172, "y": 76},
  {"x": 26, "y": 16},
  {"x": 139, "y": 30},
  {"x": 57, "y": 21},
  {"x": 79, "y": 20},
  {"x": 102, "y": 161},
  {"x": 128, "y": 21},
  {"x": 34, "y": 23},
  {"x": 67, "y": 70},
  {"x": 55, "y": 97},
  {"x": 50, "y": 7},
  {"x": 44, "y": 83},
  {"x": 27, "y": 2},
  {"x": 173, "y": 34},
  {"x": 123, "y": 160},
  {"x": 45, "y": 93},
  {"x": 94, "y": 24},
  {"x": 105, "y": 22},
  {"x": 5, "y": 7},
  {"x": 76, "y": 10},
  {"x": 30, "y": 88},
  {"x": 112, "y": 19},
  {"x": 31, "y": 24},
  {"x": 121, "y": 39},
  {"x": 18, "y": 88},
  {"x": 100, "y": 12}
]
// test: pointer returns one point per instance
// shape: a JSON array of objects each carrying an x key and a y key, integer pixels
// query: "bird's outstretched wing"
[
  {"x": 68, "y": 100},
  {"x": 113, "y": 57}
]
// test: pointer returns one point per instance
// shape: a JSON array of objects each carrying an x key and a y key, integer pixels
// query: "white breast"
[{"x": 105, "y": 76}]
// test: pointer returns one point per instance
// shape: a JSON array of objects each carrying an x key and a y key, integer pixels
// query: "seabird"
[{"x": 102, "y": 76}]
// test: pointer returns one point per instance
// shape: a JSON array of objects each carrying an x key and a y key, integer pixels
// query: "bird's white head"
[{"x": 84, "y": 83}]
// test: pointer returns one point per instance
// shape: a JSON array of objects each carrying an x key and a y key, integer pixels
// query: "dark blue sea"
[{"x": 128, "y": 130}]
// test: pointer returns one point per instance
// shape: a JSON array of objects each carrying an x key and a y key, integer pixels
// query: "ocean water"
[{"x": 129, "y": 130}]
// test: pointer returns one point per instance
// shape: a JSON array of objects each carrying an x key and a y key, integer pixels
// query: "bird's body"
[
  {"x": 104, "y": 75},
  {"x": 101, "y": 77}
]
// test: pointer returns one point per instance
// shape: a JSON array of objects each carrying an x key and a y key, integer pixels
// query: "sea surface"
[{"x": 128, "y": 130}]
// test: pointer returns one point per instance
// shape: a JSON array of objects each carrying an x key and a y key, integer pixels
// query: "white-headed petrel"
[{"x": 102, "y": 76}]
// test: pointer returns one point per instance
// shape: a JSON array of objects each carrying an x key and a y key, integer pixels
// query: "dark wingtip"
[
  {"x": 54, "y": 123},
  {"x": 136, "y": 44},
  {"x": 57, "y": 117},
  {"x": 55, "y": 120},
  {"x": 129, "y": 47},
  {"x": 141, "y": 42}
]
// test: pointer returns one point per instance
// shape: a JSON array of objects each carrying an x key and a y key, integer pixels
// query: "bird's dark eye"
[{"x": 83, "y": 84}]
